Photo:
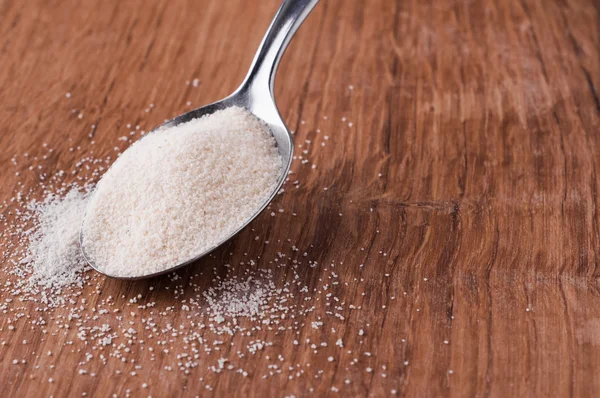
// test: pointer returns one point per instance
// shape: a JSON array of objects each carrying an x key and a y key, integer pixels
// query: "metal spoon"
[{"x": 256, "y": 95}]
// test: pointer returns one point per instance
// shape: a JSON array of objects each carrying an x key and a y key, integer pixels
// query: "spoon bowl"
[{"x": 255, "y": 94}]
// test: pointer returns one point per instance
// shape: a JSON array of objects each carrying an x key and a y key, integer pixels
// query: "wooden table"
[{"x": 463, "y": 151}]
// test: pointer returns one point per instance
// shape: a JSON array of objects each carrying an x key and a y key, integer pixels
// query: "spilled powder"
[
  {"x": 180, "y": 192},
  {"x": 53, "y": 255}
]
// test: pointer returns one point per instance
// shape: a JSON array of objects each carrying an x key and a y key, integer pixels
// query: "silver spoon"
[{"x": 256, "y": 95}]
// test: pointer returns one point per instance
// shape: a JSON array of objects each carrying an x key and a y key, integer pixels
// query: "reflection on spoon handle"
[{"x": 288, "y": 19}]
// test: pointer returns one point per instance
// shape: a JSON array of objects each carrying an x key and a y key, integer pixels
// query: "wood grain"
[{"x": 482, "y": 118}]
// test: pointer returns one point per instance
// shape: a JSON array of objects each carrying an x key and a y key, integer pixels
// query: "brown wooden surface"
[{"x": 482, "y": 118}]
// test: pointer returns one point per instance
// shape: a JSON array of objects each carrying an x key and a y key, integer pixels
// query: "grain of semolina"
[{"x": 180, "y": 192}]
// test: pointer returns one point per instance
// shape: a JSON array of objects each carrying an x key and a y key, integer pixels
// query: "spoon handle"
[{"x": 286, "y": 22}]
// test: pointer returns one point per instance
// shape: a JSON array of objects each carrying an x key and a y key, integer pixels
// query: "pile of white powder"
[
  {"x": 53, "y": 251},
  {"x": 180, "y": 192}
]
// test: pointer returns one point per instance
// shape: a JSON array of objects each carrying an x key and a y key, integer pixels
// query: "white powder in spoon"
[{"x": 179, "y": 192}]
